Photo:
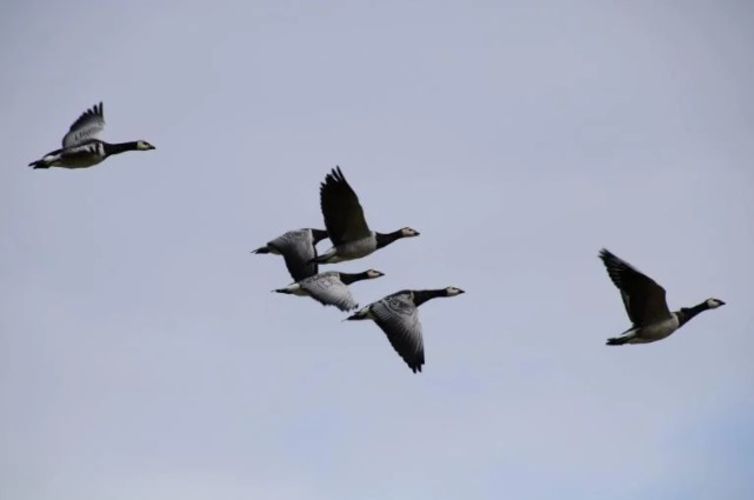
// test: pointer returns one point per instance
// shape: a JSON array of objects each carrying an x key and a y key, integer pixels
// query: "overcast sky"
[{"x": 142, "y": 355}]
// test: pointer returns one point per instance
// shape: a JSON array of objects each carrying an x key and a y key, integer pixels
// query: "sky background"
[{"x": 142, "y": 355}]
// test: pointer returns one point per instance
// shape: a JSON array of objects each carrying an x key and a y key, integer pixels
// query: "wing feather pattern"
[
  {"x": 643, "y": 297},
  {"x": 398, "y": 317},
  {"x": 87, "y": 126},
  {"x": 344, "y": 217}
]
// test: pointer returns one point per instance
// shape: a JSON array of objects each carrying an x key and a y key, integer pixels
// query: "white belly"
[
  {"x": 357, "y": 249},
  {"x": 656, "y": 331}
]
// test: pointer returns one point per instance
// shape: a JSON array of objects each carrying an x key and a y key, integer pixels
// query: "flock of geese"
[
  {"x": 351, "y": 238},
  {"x": 397, "y": 314}
]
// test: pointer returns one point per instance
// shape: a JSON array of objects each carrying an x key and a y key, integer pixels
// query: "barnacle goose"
[
  {"x": 346, "y": 225},
  {"x": 82, "y": 149},
  {"x": 298, "y": 249},
  {"x": 397, "y": 315},
  {"x": 330, "y": 288},
  {"x": 645, "y": 304}
]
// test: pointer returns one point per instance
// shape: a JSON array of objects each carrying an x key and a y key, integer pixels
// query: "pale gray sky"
[{"x": 142, "y": 354}]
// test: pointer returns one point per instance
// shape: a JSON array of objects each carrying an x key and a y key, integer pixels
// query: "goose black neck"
[
  {"x": 318, "y": 235},
  {"x": 384, "y": 239},
  {"x": 348, "y": 278},
  {"x": 114, "y": 149},
  {"x": 686, "y": 313},
  {"x": 421, "y": 296}
]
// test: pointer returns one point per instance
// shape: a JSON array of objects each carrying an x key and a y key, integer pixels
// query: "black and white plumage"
[
  {"x": 330, "y": 288},
  {"x": 298, "y": 248},
  {"x": 397, "y": 315},
  {"x": 645, "y": 304},
  {"x": 82, "y": 149},
  {"x": 346, "y": 225}
]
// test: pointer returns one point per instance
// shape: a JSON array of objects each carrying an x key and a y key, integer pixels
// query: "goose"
[
  {"x": 330, "y": 288},
  {"x": 397, "y": 315},
  {"x": 298, "y": 249},
  {"x": 346, "y": 226},
  {"x": 82, "y": 149},
  {"x": 645, "y": 304}
]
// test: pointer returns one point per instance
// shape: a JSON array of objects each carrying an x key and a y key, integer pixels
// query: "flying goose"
[
  {"x": 645, "y": 304},
  {"x": 82, "y": 149},
  {"x": 298, "y": 249},
  {"x": 330, "y": 288},
  {"x": 397, "y": 315},
  {"x": 346, "y": 226}
]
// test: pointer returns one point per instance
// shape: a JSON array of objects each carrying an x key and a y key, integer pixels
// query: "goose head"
[
  {"x": 373, "y": 273},
  {"x": 143, "y": 146},
  {"x": 452, "y": 291},
  {"x": 713, "y": 303}
]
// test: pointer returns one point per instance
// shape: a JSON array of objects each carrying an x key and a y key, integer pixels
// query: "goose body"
[
  {"x": 298, "y": 248},
  {"x": 398, "y": 316},
  {"x": 81, "y": 148},
  {"x": 330, "y": 288},
  {"x": 346, "y": 226},
  {"x": 645, "y": 304}
]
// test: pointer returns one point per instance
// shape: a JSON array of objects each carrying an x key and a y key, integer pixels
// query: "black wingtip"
[
  {"x": 263, "y": 249},
  {"x": 334, "y": 177},
  {"x": 337, "y": 174},
  {"x": 609, "y": 257}
]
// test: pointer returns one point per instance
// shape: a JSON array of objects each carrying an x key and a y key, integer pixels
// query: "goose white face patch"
[
  {"x": 713, "y": 303},
  {"x": 452, "y": 291}
]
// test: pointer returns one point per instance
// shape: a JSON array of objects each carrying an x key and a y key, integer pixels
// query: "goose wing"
[
  {"x": 643, "y": 297},
  {"x": 87, "y": 126},
  {"x": 398, "y": 317},
  {"x": 297, "y": 248},
  {"x": 344, "y": 217},
  {"x": 328, "y": 290}
]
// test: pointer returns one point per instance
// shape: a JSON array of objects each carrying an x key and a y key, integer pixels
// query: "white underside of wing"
[
  {"x": 356, "y": 249},
  {"x": 329, "y": 290},
  {"x": 651, "y": 333}
]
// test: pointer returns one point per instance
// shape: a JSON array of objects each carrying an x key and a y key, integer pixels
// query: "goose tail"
[
  {"x": 618, "y": 340},
  {"x": 39, "y": 164}
]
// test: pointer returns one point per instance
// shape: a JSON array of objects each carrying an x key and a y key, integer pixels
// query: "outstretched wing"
[
  {"x": 344, "y": 217},
  {"x": 397, "y": 316},
  {"x": 297, "y": 248},
  {"x": 643, "y": 297},
  {"x": 328, "y": 290},
  {"x": 87, "y": 126}
]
